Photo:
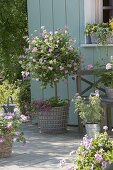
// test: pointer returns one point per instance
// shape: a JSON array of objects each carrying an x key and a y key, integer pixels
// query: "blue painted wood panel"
[{"x": 54, "y": 14}]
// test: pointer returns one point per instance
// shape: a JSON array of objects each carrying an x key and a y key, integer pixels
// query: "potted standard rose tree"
[{"x": 51, "y": 57}]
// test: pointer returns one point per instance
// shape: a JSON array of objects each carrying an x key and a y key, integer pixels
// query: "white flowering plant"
[
  {"x": 93, "y": 154},
  {"x": 105, "y": 72},
  {"x": 10, "y": 127},
  {"x": 50, "y": 57},
  {"x": 89, "y": 109}
]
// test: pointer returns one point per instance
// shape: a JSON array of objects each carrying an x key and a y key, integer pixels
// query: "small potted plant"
[
  {"x": 9, "y": 131},
  {"x": 90, "y": 30},
  {"x": 51, "y": 57},
  {"x": 89, "y": 110},
  {"x": 92, "y": 154},
  {"x": 100, "y": 33}
]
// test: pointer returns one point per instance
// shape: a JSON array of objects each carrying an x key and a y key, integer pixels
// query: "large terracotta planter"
[
  {"x": 6, "y": 147},
  {"x": 92, "y": 129},
  {"x": 55, "y": 121}
]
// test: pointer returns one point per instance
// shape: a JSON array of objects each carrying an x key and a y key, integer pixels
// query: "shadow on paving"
[{"x": 42, "y": 150}]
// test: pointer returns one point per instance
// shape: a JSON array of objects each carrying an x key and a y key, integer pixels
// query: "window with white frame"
[{"x": 97, "y": 11}]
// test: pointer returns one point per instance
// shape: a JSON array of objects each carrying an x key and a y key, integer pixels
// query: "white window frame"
[{"x": 93, "y": 11}]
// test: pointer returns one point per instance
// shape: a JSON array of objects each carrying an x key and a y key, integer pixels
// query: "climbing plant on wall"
[{"x": 13, "y": 27}]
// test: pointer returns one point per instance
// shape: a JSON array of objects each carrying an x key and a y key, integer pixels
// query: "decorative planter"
[
  {"x": 93, "y": 39},
  {"x": 6, "y": 147},
  {"x": 109, "y": 167},
  {"x": 92, "y": 129},
  {"x": 109, "y": 92},
  {"x": 55, "y": 121}
]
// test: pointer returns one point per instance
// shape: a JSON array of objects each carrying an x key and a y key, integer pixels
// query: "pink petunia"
[{"x": 108, "y": 66}]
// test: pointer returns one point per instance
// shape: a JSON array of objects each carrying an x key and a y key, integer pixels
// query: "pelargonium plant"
[
  {"x": 50, "y": 56},
  {"x": 93, "y": 154},
  {"x": 10, "y": 127},
  {"x": 103, "y": 70}
]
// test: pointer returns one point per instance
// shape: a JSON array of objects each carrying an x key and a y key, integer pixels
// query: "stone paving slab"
[{"x": 42, "y": 151}]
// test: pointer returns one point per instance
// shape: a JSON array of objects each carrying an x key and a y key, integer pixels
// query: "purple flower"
[
  {"x": 17, "y": 133},
  {"x": 9, "y": 125},
  {"x": 87, "y": 142},
  {"x": 104, "y": 165},
  {"x": 99, "y": 157},
  {"x": 8, "y": 117},
  {"x": 70, "y": 168}
]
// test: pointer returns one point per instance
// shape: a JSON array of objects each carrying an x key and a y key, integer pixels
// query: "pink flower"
[
  {"x": 90, "y": 67},
  {"x": 17, "y": 133},
  {"x": 9, "y": 125},
  {"x": 34, "y": 50},
  {"x": 108, "y": 66},
  {"x": 99, "y": 157}
]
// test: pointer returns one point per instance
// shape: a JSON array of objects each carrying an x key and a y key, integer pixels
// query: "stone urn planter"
[
  {"x": 92, "y": 129},
  {"x": 55, "y": 121}
]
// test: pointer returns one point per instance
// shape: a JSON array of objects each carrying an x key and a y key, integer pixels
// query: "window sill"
[{"x": 96, "y": 45}]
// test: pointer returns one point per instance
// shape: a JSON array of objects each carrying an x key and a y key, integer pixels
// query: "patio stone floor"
[{"x": 42, "y": 151}]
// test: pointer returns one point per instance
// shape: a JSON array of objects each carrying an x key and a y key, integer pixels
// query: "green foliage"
[
  {"x": 102, "y": 32},
  {"x": 24, "y": 97},
  {"x": 56, "y": 102},
  {"x": 89, "y": 109},
  {"x": 104, "y": 70},
  {"x": 7, "y": 90},
  {"x": 90, "y": 29},
  {"x": 51, "y": 56},
  {"x": 13, "y": 26}
]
